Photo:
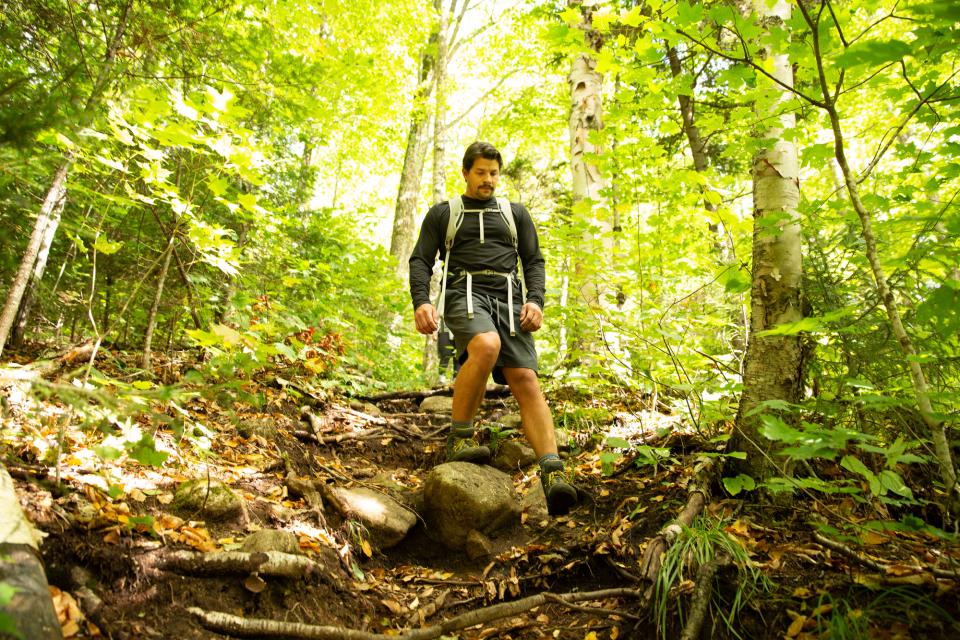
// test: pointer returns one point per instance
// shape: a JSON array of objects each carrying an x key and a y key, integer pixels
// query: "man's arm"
[
  {"x": 424, "y": 255},
  {"x": 528, "y": 246}
]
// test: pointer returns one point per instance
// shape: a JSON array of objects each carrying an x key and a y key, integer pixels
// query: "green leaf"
[
  {"x": 891, "y": 480},
  {"x": 617, "y": 443},
  {"x": 145, "y": 452},
  {"x": 571, "y": 16},
  {"x": 104, "y": 246},
  {"x": 736, "y": 281},
  {"x": 777, "y": 430},
  {"x": 873, "y": 53},
  {"x": 739, "y": 483},
  {"x": 634, "y": 17},
  {"x": 143, "y": 385}
]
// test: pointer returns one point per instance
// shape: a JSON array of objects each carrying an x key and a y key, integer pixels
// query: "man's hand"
[
  {"x": 425, "y": 317},
  {"x": 531, "y": 317}
]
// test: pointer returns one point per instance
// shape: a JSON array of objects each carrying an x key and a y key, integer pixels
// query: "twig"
[
  {"x": 373, "y": 434},
  {"x": 598, "y": 611}
]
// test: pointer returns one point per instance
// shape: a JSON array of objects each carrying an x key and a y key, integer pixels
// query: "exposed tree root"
[
  {"x": 701, "y": 598},
  {"x": 269, "y": 563},
  {"x": 493, "y": 391},
  {"x": 877, "y": 566},
  {"x": 249, "y": 627},
  {"x": 699, "y": 491}
]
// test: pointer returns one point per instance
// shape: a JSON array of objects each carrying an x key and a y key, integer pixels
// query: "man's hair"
[{"x": 480, "y": 150}]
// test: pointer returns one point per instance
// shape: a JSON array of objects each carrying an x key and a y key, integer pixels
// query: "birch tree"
[{"x": 773, "y": 366}]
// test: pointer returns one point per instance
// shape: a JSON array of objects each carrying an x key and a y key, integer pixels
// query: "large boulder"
[
  {"x": 387, "y": 521},
  {"x": 460, "y": 497},
  {"x": 211, "y": 500}
]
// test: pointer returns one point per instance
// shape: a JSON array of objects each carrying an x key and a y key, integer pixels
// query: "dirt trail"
[{"x": 105, "y": 548}]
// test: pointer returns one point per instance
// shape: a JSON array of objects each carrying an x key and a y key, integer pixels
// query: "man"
[{"x": 478, "y": 306}]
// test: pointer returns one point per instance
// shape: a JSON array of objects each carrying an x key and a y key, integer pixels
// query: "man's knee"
[
  {"x": 485, "y": 347},
  {"x": 522, "y": 379}
]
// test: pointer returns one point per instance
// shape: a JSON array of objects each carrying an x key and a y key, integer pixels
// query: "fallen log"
[{"x": 30, "y": 610}]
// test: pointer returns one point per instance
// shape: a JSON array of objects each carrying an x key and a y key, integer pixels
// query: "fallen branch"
[
  {"x": 698, "y": 490},
  {"x": 249, "y": 627},
  {"x": 701, "y": 598},
  {"x": 269, "y": 563},
  {"x": 876, "y": 566},
  {"x": 373, "y": 434}
]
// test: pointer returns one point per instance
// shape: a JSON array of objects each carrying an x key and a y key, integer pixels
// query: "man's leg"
[
  {"x": 468, "y": 389},
  {"x": 538, "y": 428}
]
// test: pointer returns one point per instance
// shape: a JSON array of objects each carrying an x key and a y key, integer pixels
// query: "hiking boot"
[
  {"x": 466, "y": 450},
  {"x": 560, "y": 494}
]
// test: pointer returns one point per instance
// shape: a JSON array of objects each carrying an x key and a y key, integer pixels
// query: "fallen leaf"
[
  {"x": 796, "y": 626},
  {"x": 802, "y": 593}
]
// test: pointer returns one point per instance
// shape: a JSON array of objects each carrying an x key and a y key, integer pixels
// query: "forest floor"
[{"x": 109, "y": 525}]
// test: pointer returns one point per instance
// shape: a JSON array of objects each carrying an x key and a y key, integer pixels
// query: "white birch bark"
[
  {"x": 773, "y": 366},
  {"x": 155, "y": 307},
  {"x": 30, "y": 294},
  {"x": 586, "y": 116},
  {"x": 55, "y": 195}
]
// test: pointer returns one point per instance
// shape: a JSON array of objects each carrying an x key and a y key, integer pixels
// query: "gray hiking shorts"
[{"x": 490, "y": 314}]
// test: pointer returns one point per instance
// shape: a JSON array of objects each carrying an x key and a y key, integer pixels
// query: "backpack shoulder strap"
[
  {"x": 456, "y": 217},
  {"x": 506, "y": 212}
]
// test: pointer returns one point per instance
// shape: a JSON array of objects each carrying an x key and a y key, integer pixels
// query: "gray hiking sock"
[
  {"x": 461, "y": 429},
  {"x": 550, "y": 462}
]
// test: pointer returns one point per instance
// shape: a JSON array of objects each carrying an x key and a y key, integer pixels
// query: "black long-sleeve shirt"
[{"x": 468, "y": 254}]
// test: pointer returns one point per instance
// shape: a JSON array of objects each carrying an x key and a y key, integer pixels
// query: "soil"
[{"x": 803, "y": 588}]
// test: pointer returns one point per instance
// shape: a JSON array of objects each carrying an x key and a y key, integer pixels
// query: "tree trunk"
[
  {"x": 773, "y": 367},
  {"x": 155, "y": 307},
  {"x": 401, "y": 241},
  {"x": 30, "y": 294},
  {"x": 586, "y": 116},
  {"x": 51, "y": 203}
]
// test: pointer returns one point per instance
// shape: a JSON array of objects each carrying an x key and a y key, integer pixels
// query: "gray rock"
[
  {"x": 193, "y": 498},
  {"x": 534, "y": 503},
  {"x": 366, "y": 407},
  {"x": 263, "y": 427},
  {"x": 437, "y": 404},
  {"x": 511, "y": 421},
  {"x": 478, "y": 545},
  {"x": 564, "y": 439},
  {"x": 459, "y": 496},
  {"x": 513, "y": 455},
  {"x": 387, "y": 521},
  {"x": 271, "y": 540}
]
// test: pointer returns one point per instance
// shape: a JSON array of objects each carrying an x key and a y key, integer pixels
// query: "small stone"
[
  {"x": 267, "y": 540},
  {"x": 386, "y": 519},
  {"x": 511, "y": 421},
  {"x": 263, "y": 427},
  {"x": 513, "y": 455},
  {"x": 212, "y": 500},
  {"x": 437, "y": 404}
]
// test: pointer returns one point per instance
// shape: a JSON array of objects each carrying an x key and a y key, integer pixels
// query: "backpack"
[{"x": 453, "y": 225}]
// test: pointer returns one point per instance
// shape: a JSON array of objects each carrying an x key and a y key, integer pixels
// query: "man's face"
[{"x": 482, "y": 178}]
